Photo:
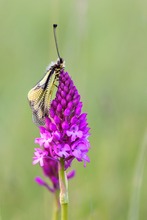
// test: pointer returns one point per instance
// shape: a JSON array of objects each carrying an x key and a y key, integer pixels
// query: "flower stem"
[
  {"x": 64, "y": 211},
  {"x": 56, "y": 207},
  {"x": 63, "y": 190}
]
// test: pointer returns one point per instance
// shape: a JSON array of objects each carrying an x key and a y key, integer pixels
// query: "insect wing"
[{"x": 40, "y": 96}]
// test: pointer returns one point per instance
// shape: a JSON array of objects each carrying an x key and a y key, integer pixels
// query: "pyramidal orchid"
[
  {"x": 65, "y": 134},
  {"x": 63, "y": 138}
]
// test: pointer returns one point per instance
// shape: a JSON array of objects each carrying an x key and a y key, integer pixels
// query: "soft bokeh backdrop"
[{"x": 104, "y": 44}]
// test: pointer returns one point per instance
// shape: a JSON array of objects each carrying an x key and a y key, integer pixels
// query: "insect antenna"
[{"x": 54, "y": 28}]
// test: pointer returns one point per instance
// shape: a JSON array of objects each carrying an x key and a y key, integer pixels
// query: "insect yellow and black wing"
[{"x": 40, "y": 96}]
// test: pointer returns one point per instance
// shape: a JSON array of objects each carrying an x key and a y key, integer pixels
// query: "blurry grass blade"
[{"x": 138, "y": 177}]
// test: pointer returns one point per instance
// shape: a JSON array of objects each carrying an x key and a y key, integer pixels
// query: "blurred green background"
[{"x": 104, "y": 44}]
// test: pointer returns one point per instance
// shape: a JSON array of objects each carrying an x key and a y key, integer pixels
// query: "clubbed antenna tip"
[{"x": 55, "y": 25}]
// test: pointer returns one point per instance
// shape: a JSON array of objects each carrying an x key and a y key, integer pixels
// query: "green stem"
[
  {"x": 63, "y": 190},
  {"x": 64, "y": 211},
  {"x": 56, "y": 207}
]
